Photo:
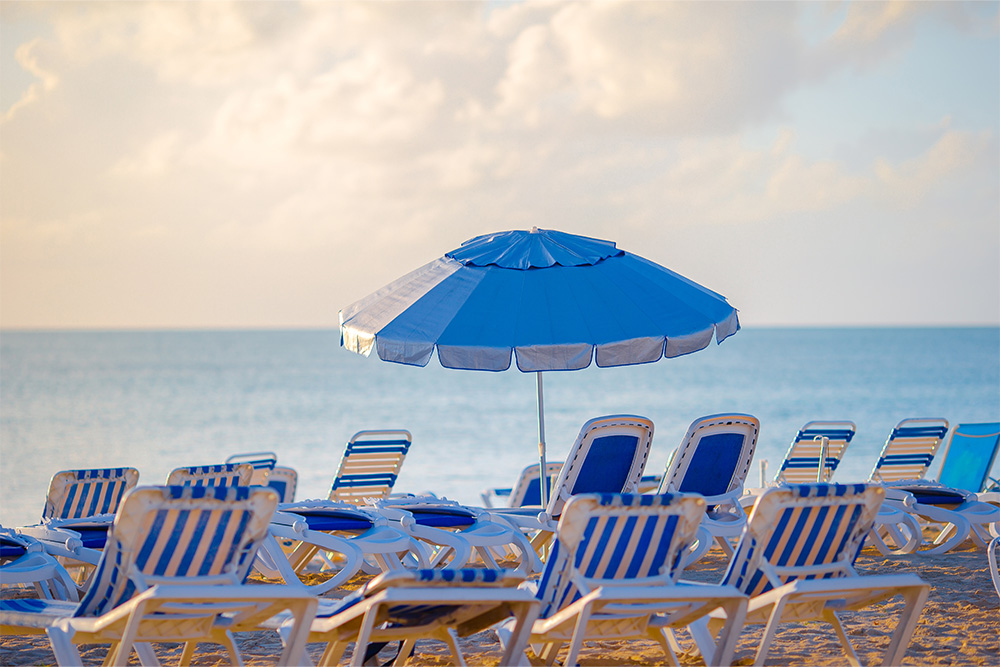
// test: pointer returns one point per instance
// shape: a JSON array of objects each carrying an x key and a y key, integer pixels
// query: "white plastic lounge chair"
[
  {"x": 826, "y": 440},
  {"x": 795, "y": 561},
  {"x": 713, "y": 460},
  {"x": 171, "y": 572},
  {"x": 952, "y": 503},
  {"x": 370, "y": 465},
  {"x": 526, "y": 491},
  {"x": 223, "y": 474},
  {"x": 609, "y": 456},
  {"x": 23, "y": 562},
  {"x": 456, "y": 533},
  {"x": 909, "y": 450},
  {"x": 422, "y": 604},
  {"x": 267, "y": 472},
  {"x": 992, "y": 550},
  {"x": 79, "y": 508},
  {"x": 613, "y": 574}
]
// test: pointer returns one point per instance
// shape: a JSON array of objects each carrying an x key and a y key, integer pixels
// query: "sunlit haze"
[{"x": 210, "y": 164}]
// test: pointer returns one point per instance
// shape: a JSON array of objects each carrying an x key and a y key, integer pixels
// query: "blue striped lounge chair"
[
  {"x": 956, "y": 503},
  {"x": 174, "y": 563},
  {"x": 221, "y": 474},
  {"x": 608, "y": 456},
  {"x": 267, "y": 472},
  {"x": 370, "y": 465},
  {"x": 526, "y": 490},
  {"x": 613, "y": 573},
  {"x": 346, "y": 537},
  {"x": 795, "y": 561},
  {"x": 713, "y": 460},
  {"x": 826, "y": 440},
  {"x": 451, "y": 534},
  {"x": 24, "y": 562},
  {"x": 422, "y": 604},
  {"x": 79, "y": 507}
]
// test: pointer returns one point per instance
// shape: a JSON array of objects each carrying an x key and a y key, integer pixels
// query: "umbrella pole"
[{"x": 542, "y": 477}]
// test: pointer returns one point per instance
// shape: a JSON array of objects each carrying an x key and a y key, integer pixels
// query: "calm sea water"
[{"x": 159, "y": 400}]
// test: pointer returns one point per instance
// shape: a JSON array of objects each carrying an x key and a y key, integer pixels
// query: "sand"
[{"x": 960, "y": 625}]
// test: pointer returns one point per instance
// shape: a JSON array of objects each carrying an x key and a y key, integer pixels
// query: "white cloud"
[{"x": 362, "y": 139}]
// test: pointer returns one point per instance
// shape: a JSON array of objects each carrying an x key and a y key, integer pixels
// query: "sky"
[{"x": 245, "y": 165}]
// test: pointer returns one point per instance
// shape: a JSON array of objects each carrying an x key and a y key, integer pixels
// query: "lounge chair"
[
  {"x": 713, "y": 460},
  {"x": 172, "y": 571},
  {"x": 992, "y": 550},
  {"x": 826, "y": 440},
  {"x": 23, "y": 562},
  {"x": 446, "y": 533},
  {"x": 526, "y": 490},
  {"x": 79, "y": 508},
  {"x": 614, "y": 574},
  {"x": 909, "y": 450},
  {"x": 795, "y": 561},
  {"x": 955, "y": 501},
  {"x": 608, "y": 456},
  {"x": 223, "y": 474},
  {"x": 267, "y": 472},
  {"x": 370, "y": 465},
  {"x": 422, "y": 604}
]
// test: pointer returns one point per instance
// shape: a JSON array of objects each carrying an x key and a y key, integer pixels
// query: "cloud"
[{"x": 363, "y": 139}]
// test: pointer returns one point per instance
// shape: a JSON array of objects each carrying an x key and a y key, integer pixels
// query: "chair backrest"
[
  {"x": 609, "y": 536},
  {"x": 803, "y": 531},
  {"x": 222, "y": 474},
  {"x": 370, "y": 465},
  {"x": 608, "y": 456},
  {"x": 284, "y": 481},
  {"x": 78, "y": 494},
  {"x": 527, "y": 490},
  {"x": 262, "y": 462},
  {"x": 969, "y": 456},
  {"x": 178, "y": 532},
  {"x": 909, "y": 450},
  {"x": 801, "y": 464},
  {"x": 714, "y": 457}
]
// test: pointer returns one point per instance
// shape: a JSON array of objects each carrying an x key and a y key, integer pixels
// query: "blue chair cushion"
[
  {"x": 331, "y": 520},
  {"x": 934, "y": 496},
  {"x": 442, "y": 517},
  {"x": 711, "y": 470}
]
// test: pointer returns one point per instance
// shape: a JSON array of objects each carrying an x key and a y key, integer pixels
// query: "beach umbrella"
[{"x": 547, "y": 299}]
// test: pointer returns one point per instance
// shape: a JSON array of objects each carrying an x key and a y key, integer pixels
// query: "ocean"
[{"x": 157, "y": 400}]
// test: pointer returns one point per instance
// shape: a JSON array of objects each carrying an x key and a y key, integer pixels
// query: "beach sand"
[{"x": 960, "y": 625}]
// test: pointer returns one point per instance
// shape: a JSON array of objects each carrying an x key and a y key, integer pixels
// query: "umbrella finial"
[{"x": 534, "y": 230}]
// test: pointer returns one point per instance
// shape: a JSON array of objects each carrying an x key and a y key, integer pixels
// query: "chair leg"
[
  {"x": 61, "y": 639},
  {"x": 333, "y": 653},
  {"x": 769, "y": 631},
  {"x": 578, "y": 634},
  {"x": 147, "y": 657},
  {"x": 914, "y": 599},
  {"x": 452, "y": 643},
  {"x": 852, "y": 657}
]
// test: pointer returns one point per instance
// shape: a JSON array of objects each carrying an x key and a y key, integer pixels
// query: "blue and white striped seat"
[
  {"x": 79, "y": 507},
  {"x": 817, "y": 439},
  {"x": 221, "y": 474},
  {"x": 713, "y": 460},
  {"x": 174, "y": 562},
  {"x": 795, "y": 561},
  {"x": 370, "y": 465},
  {"x": 608, "y": 456},
  {"x": 267, "y": 472},
  {"x": 526, "y": 491},
  {"x": 909, "y": 450},
  {"x": 423, "y": 604},
  {"x": 953, "y": 504},
  {"x": 614, "y": 574}
]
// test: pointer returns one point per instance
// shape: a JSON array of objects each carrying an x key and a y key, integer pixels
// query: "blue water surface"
[{"x": 156, "y": 400}]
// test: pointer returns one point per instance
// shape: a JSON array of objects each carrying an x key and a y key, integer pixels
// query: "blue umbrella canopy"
[{"x": 548, "y": 299}]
